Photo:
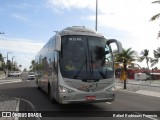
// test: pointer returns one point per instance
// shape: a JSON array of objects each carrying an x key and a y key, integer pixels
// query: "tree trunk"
[
  {"x": 125, "y": 87},
  {"x": 147, "y": 65},
  {"x": 125, "y": 69}
]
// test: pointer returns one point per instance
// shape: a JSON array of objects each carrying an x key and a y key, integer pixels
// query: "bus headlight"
[
  {"x": 65, "y": 90},
  {"x": 112, "y": 89}
]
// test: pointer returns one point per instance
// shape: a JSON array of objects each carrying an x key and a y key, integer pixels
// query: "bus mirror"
[
  {"x": 58, "y": 43},
  {"x": 119, "y": 45}
]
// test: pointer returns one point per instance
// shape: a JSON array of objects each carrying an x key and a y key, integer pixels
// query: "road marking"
[
  {"x": 17, "y": 109},
  {"x": 109, "y": 103},
  {"x": 29, "y": 103},
  {"x": 10, "y": 81}
]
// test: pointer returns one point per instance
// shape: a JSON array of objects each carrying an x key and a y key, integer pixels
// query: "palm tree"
[
  {"x": 156, "y": 16},
  {"x": 1, "y": 60},
  {"x": 144, "y": 56},
  {"x": 126, "y": 57},
  {"x": 156, "y": 56},
  {"x": 24, "y": 70},
  {"x": 32, "y": 67}
]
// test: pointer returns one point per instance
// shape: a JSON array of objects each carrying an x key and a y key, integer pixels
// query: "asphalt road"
[{"x": 125, "y": 101}]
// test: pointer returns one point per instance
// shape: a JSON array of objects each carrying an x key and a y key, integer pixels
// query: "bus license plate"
[{"x": 90, "y": 97}]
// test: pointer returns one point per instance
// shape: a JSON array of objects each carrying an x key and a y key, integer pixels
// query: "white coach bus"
[{"x": 76, "y": 65}]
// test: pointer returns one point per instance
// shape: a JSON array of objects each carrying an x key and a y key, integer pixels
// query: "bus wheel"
[
  {"x": 50, "y": 93},
  {"x": 38, "y": 85}
]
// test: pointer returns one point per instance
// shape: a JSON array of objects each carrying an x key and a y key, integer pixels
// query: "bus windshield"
[{"x": 86, "y": 58}]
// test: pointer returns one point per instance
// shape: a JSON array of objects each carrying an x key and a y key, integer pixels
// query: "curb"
[{"x": 140, "y": 92}]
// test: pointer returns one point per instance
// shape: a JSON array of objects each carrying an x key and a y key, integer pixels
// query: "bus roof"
[{"x": 79, "y": 30}]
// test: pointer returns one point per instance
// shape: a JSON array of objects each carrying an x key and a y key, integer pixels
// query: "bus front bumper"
[{"x": 81, "y": 98}]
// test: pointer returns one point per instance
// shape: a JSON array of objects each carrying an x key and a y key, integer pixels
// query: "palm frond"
[
  {"x": 158, "y": 35},
  {"x": 157, "y": 1},
  {"x": 158, "y": 50},
  {"x": 132, "y": 53},
  {"x": 140, "y": 59},
  {"x": 156, "y": 54},
  {"x": 126, "y": 57},
  {"x": 155, "y": 17},
  {"x": 154, "y": 62}
]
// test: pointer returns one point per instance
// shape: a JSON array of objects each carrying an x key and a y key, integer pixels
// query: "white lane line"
[
  {"x": 109, "y": 103},
  {"x": 10, "y": 81}
]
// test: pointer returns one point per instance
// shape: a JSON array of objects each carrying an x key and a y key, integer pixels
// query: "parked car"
[
  {"x": 10, "y": 74},
  {"x": 16, "y": 73},
  {"x": 31, "y": 76},
  {"x": 140, "y": 76}
]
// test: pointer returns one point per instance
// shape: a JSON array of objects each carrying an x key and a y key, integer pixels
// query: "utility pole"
[
  {"x": 12, "y": 62},
  {"x": 96, "y": 14}
]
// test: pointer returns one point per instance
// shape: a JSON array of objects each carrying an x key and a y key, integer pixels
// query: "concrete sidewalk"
[
  {"x": 140, "y": 91},
  {"x": 2, "y": 76},
  {"x": 150, "y": 88}
]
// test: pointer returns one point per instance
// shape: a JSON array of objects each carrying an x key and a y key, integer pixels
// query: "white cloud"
[
  {"x": 20, "y": 17},
  {"x": 128, "y": 16},
  {"x": 60, "y": 5},
  {"x": 21, "y": 45},
  {"x": 69, "y": 4},
  {"x": 132, "y": 16},
  {"x": 22, "y": 5},
  {"x": 23, "y": 50},
  {"x": 24, "y": 60}
]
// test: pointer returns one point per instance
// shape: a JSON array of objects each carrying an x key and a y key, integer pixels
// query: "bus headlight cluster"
[
  {"x": 112, "y": 89},
  {"x": 65, "y": 90}
]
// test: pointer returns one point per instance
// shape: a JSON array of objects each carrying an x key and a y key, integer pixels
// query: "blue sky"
[{"x": 28, "y": 24}]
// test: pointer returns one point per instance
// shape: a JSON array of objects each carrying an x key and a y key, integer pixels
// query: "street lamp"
[
  {"x": 96, "y": 14},
  {"x": 12, "y": 61},
  {"x": 7, "y": 57}
]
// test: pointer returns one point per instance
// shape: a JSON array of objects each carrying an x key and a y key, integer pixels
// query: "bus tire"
[
  {"x": 38, "y": 85},
  {"x": 50, "y": 94}
]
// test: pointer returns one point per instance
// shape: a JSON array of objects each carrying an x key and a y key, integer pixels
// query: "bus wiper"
[{"x": 81, "y": 67}]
